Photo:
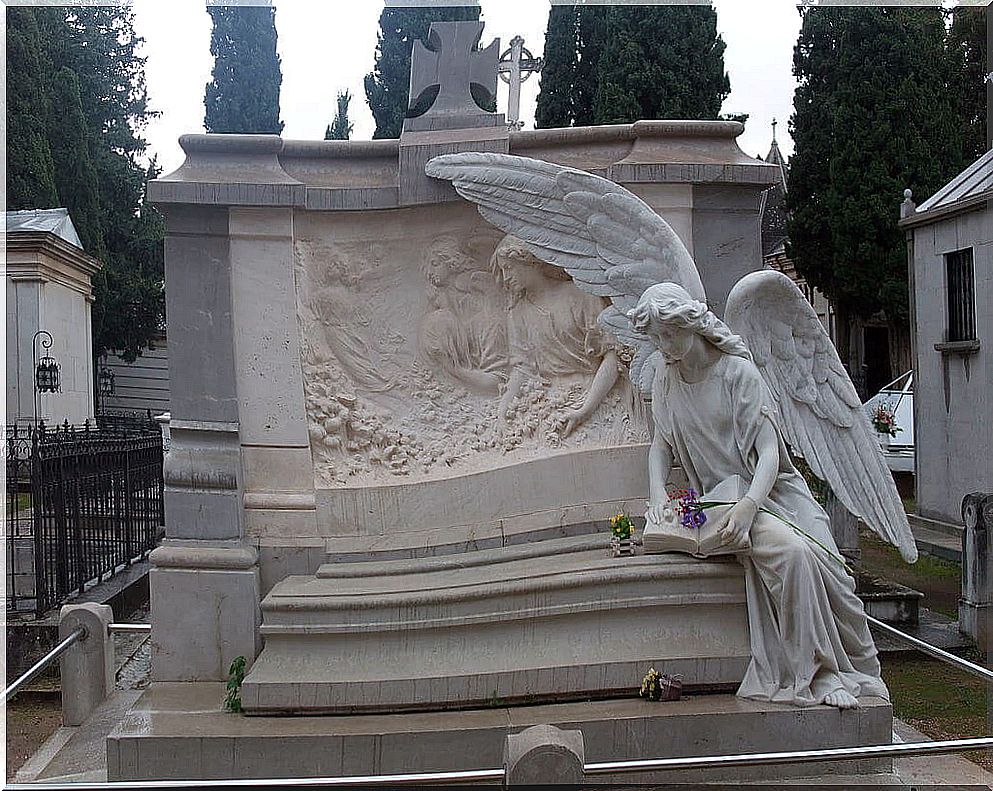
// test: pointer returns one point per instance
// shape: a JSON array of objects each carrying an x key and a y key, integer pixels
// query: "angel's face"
[{"x": 673, "y": 341}]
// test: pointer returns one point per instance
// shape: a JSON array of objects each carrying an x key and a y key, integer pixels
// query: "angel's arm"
[
  {"x": 767, "y": 466},
  {"x": 513, "y": 388},
  {"x": 603, "y": 381},
  {"x": 659, "y": 466}
]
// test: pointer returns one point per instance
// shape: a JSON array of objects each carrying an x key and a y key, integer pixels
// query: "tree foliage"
[
  {"x": 618, "y": 64},
  {"x": 340, "y": 128},
  {"x": 77, "y": 98},
  {"x": 873, "y": 116},
  {"x": 243, "y": 94},
  {"x": 967, "y": 55},
  {"x": 387, "y": 86}
]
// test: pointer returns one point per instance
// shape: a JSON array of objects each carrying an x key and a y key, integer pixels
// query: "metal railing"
[
  {"x": 862, "y": 752},
  {"x": 83, "y": 502},
  {"x": 64, "y": 645}
]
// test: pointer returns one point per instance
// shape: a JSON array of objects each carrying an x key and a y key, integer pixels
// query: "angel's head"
[
  {"x": 443, "y": 259},
  {"x": 519, "y": 270},
  {"x": 672, "y": 318}
]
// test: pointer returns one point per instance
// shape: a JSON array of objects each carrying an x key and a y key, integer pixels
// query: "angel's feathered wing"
[
  {"x": 821, "y": 415},
  {"x": 610, "y": 241}
]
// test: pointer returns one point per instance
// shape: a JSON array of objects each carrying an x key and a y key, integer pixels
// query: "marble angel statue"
[{"x": 727, "y": 400}]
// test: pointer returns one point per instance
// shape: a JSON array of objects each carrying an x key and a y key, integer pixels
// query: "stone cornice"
[
  {"x": 975, "y": 203},
  {"x": 44, "y": 256},
  {"x": 330, "y": 175}
]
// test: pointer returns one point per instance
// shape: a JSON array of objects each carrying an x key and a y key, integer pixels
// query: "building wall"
[
  {"x": 953, "y": 393},
  {"x": 141, "y": 385},
  {"x": 38, "y": 297}
]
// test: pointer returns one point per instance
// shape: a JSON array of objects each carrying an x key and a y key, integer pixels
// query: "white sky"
[{"x": 329, "y": 46}]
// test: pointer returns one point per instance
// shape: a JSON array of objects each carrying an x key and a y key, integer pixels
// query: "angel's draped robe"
[{"x": 808, "y": 631}]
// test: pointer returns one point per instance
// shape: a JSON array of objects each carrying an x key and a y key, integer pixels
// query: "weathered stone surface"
[
  {"x": 515, "y": 627},
  {"x": 179, "y": 731},
  {"x": 544, "y": 755},
  {"x": 976, "y": 604},
  {"x": 87, "y": 667}
]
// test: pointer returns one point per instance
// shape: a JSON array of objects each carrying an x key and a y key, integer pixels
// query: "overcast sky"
[{"x": 329, "y": 46}]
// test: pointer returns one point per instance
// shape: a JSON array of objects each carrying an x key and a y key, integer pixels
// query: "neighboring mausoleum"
[
  {"x": 49, "y": 290},
  {"x": 950, "y": 244}
]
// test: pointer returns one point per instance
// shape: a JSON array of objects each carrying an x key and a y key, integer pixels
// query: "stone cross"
[
  {"x": 452, "y": 65},
  {"x": 516, "y": 65}
]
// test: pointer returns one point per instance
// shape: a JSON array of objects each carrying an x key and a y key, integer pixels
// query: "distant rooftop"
[
  {"x": 54, "y": 221},
  {"x": 970, "y": 183}
]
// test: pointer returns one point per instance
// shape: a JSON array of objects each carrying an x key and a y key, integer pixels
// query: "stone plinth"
[
  {"x": 514, "y": 627},
  {"x": 178, "y": 731}
]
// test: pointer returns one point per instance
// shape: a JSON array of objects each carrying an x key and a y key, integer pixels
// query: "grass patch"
[
  {"x": 938, "y": 700},
  {"x": 22, "y": 502}
]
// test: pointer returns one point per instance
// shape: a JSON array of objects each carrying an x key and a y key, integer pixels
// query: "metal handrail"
[
  {"x": 905, "y": 749},
  {"x": 129, "y": 628},
  {"x": 933, "y": 650},
  {"x": 79, "y": 633}
]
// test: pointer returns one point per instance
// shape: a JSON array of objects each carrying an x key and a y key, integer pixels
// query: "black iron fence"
[{"x": 82, "y": 503}]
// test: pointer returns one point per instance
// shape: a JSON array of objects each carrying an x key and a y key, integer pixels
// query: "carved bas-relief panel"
[{"x": 434, "y": 347}]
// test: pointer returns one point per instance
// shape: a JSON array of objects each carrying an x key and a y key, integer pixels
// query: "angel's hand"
[
  {"x": 570, "y": 420},
  {"x": 735, "y": 524},
  {"x": 659, "y": 512}
]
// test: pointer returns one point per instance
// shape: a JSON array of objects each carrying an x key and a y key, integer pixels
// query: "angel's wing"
[
  {"x": 821, "y": 414},
  {"x": 610, "y": 242}
]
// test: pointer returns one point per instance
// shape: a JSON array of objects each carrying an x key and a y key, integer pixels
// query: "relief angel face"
[{"x": 728, "y": 398}]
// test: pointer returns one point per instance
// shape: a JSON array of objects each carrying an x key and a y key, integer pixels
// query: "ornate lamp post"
[
  {"x": 105, "y": 385},
  {"x": 47, "y": 372}
]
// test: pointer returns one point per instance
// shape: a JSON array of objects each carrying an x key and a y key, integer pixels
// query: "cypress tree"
[
  {"x": 30, "y": 169},
  {"x": 341, "y": 127},
  {"x": 243, "y": 94},
  {"x": 387, "y": 86},
  {"x": 967, "y": 56},
  {"x": 872, "y": 117},
  {"x": 618, "y": 64},
  {"x": 660, "y": 62},
  {"x": 558, "y": 72},
  {"x": 85, "y": 90}
]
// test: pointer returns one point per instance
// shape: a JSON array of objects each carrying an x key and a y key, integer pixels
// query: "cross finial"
[
  {"x": 452, "y": 65},
  {"x": 774, "y": 122}
]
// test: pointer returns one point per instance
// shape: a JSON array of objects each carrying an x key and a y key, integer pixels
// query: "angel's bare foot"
[{"x": 841, "y": 699}]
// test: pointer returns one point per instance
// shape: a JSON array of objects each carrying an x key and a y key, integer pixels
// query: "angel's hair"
[
  {"x": 447, "y": 245},
  {"x": 670, "y": 303},
  {"x": 513, "y": 249}
]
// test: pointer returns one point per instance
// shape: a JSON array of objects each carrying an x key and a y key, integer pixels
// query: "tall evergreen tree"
[
  {"x": 30, "y": 169},
  {"x": 872, "y": 117},
  {"x": 341, "y": 127},
  {"x": 558, "y": 71},
  {"x": 243, "y": 94},
  {"x": 619, "y": 64},
  {"x": 387, "y": 86},
  {"x": 85, "y": 90},
  {"x": 967, "y": 54}
]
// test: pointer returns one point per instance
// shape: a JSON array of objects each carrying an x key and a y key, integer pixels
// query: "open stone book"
[{"x": 671, "y": 535}]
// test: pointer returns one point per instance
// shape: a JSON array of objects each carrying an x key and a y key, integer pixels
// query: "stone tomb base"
[
  {"x": 178, "y": 731},
  {"x": 551, "y": 621}
]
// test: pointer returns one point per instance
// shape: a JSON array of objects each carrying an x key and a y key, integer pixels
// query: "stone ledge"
[{"x": 178, "y": 731}]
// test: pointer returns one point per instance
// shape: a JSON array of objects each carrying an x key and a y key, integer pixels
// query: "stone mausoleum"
[{"x": 356, "y": 505}]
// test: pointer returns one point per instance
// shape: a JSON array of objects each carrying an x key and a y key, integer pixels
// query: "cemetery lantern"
[{"x": 47, "y": 372}]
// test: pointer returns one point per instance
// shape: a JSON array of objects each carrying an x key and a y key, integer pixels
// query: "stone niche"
[{"x": 345, "y": 317}]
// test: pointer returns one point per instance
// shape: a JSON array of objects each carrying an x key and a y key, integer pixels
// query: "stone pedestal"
[
  {"x": 976, "y": 604},
  {"x": 204, "y": 609},
  {"x": 569, "y": 623}
]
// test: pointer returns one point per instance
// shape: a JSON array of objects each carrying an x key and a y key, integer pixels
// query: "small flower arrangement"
[
  {"x": 690, "y": 509},
  {"x": 660, "y": 686},
  {"x": 884, "y": 419},
  {"x": 621, "y": 527}
]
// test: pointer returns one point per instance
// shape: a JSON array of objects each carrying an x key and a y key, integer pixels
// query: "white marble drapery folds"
[{"x": 808, "y": 632}]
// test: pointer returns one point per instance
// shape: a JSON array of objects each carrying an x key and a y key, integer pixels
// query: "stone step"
[
  {"x": 177, "y": 731},
  {"x": 520, "y": 625}
]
